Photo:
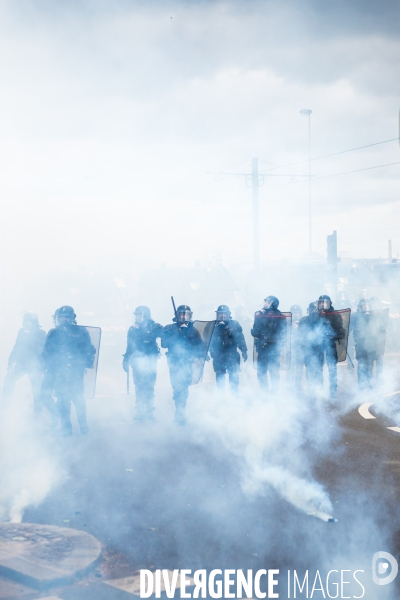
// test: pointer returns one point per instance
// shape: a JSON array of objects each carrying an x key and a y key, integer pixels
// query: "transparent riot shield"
[
  {"x": 376, "y": 331},
  {"x": 205, "y": 329},
  {"x": 278, "y": 330},
  {"x": 337, "y": 329},
  {"x": 89, "y": 381}
]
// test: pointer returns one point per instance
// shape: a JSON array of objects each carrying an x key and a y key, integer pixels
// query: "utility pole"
[
  {"x": 307, "y": 112},
  {"x": 257, "y": 180},
  {"x": 332, "y": 259},
  {"x": 256, "y": 214},
  {"x": 309, "y": 188}
]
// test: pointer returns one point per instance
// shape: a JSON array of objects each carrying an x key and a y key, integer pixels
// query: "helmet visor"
[
  {"x": 62, "y": 320},
  {"x": 139, "y": 317},
  {"x": 269, "y": 303},
  {"x": 365, "y": 307},
  {"x": 311, "y": 308},
  {"x": 222, "y": 315},
  {"x": 324, "y": 304},
  {"x": 184, "y": 316}
]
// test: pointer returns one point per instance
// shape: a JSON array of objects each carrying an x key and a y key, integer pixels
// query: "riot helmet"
[
  {"x": 30, "y": 320},
  {"x": 324, "y": 303},
  {"x": 223, "y": 313},
  {"x": 376, "y": 304},
  {"x": 64, "y": 315},
  {"x": 184, "y": 313},
  {"x": 312, "y": 307},
  {"x": 271, "y": 302},
  {"x": 142, "y": 314},
  {"x": 296, "y": 311},
  {"x": 364, "y": 305}
]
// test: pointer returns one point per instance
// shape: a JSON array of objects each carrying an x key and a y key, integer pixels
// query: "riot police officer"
[
  {"x": 184, "y": 345},
  {"x": 269, "y": 331},
  {"x": 67, "y": 353},
  {"x": 369, "y": 325},
  {"x": 25, "y": 359},
  {"x": 323, "y": 329},
  {"x": 142, "y": 353},
  {"x": 303, "y": 338},
  {"x": 297, "y": 350},
  {"x": 364, "y": 345},
  {"x": 376, "y": 305},
  {"x": 227, "y": 338}
]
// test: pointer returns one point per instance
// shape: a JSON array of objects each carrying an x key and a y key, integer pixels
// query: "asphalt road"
[{"x": 159, "y": 496}]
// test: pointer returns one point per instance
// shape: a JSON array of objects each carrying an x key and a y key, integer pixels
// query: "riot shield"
[
  {"x": 338, "y": 330},
  {"x": 283, "y": 342},
  {"x": 89, "y": 380},
  {"x": 376, "y": 331},
  {"x": 205, "y": 329}
]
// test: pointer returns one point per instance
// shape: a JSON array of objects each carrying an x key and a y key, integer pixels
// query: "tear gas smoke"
[
  {"x": 107, "y": 141},
  {"x": 30, "y": 468}
]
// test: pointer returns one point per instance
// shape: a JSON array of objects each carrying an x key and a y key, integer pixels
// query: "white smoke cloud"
[
  {"x": 270, "y": 440},
  {"x": 30, "y": 468}
]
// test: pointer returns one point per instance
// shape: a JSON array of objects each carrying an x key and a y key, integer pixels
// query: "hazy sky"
[{"x": 112, "y": 112}]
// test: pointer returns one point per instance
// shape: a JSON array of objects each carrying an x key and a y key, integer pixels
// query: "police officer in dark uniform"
[
  {"x": 376, "y": 304},
  {"x": 227, "y": 338},
  {"x": 142, "y": 353},
  {"x": 25, "y": 359},
  {"x": 323, "y": 330},
  {"x": 305, "y": 339},
  {"x": 363, "y": 342},
  {"x": 67, "y": 353},
  {"x": 269, "y": 332},
  {"x": 297, "y": 350},
  {"x": 184, "y": 345}
]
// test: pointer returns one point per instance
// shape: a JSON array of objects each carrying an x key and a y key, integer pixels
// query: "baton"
[
  {"x": 173, "y": 304},
  {"x": 127, "y": 381}
]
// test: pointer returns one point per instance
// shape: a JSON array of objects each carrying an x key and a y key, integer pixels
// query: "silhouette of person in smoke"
[
  {"x": 67, "y": 353},
  {"x": 227, "y": 338},
  {"x": 184, "y": 345},
  {"x": 142, "y": 353},
  {"x": 25, "y": 360}
]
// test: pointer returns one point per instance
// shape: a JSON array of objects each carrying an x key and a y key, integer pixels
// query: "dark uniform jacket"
[
  {"x": 322, "y": 330},
  {"x": 68, "y": 348},
  {"x": 369, "y": 332},
  {"x": 183, "y": 341},
  {"x": 269, "y": 329},
  {"x": 359, "y": 326},
  {"x": 28, "y": 348},
  {"x": 142, "y": 340},
  {"x": 227, "y": 337}
]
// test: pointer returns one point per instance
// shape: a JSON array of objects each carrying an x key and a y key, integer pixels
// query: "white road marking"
[
  {"x": 364, "y": 412},
  {"x": 392, "y": 394}
]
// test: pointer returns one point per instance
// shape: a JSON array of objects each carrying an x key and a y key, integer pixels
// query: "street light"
[{"x": 306, "y": 112}]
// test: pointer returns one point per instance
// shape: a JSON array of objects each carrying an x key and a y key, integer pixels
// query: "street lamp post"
[{"x": 306, "y": 112}]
